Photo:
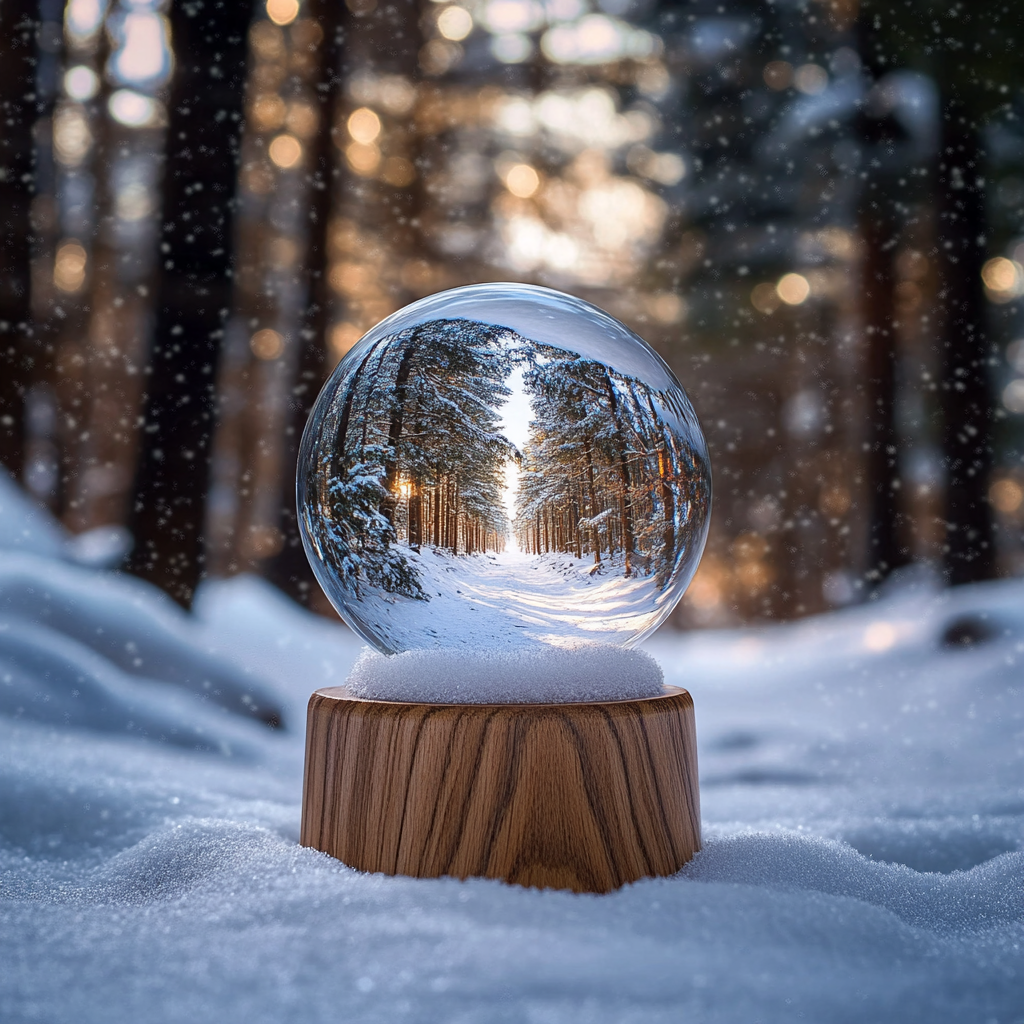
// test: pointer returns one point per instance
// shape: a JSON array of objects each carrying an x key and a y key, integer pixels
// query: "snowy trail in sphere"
[{"x": 494, "y": 600}]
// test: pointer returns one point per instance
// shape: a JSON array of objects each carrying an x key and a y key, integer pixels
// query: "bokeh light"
[
  {"x": 778, "y": 75},
  {"x": 810, "y": 79},
  {"x": 364, "y": 125},
  {"x": 1003, "y": 278},
  {"x": 134, "y": 110},
  {"x": 81, "y": 83},
  {"x": 455, "y": 23},
  {"x": 1007, "y": 495},
  {"x": 267, "y": 344},
  {"x": 282, "y": 12},
  {"x": 793, "y": 289},
  {"x": 285, "y": 151},
  {"x": 522, "y": 180},
  {"x": 69, "y": 266},
  {"x": 1013, "y": 396}
]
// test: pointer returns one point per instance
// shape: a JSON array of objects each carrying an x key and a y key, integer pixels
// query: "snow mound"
[
  {"x": 529, "y": 675},
  {"x": 77, "y": 646},
  {"x": 24, "y": 526},
  {"x": 862, "y": 796}
]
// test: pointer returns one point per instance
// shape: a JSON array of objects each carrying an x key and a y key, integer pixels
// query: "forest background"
[{"x": 813, "y": 209}]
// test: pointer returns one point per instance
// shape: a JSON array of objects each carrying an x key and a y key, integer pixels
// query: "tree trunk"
[
  {"x": 625, "y": 498},
  {"x": 289, "y": 568},
  {"x": 967, "y": 401},
  {"x": 193, "y": 297},
  {"x": 886, "y": 552},
  {"x": 391, "y": 465},
  {"x": 19, "y": 23}
]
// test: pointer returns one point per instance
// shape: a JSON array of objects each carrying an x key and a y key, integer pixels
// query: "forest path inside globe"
[
  {"x": 465, "y": 483},
  {"x": 500, "y": 599}
]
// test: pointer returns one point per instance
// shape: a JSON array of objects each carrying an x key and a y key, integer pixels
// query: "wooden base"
[{"x": 584, "y": 797}]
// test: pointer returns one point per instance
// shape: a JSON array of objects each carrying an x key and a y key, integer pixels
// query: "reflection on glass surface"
[{"x": 503, "y": 464}]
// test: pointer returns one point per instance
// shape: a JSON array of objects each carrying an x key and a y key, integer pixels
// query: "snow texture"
[
  {"x": 510, "y": 599},
  {"x": 862, "y": 796},
  {"x": 529, "y": 675}
]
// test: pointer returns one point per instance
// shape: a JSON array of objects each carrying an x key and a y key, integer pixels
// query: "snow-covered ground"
[
  {"x": 510, "y": 598},
  {"x": 863, "y": 803}
]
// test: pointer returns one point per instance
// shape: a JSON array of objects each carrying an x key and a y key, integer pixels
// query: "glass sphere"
[{"x": 502, "y": 465}]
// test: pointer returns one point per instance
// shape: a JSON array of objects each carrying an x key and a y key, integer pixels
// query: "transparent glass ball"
[{"x": 503, "y": 465}]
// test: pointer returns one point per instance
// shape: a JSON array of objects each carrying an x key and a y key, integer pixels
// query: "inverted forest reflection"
[{"x": 553, "y": 497}]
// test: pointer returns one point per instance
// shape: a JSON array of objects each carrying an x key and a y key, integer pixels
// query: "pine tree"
[{"x": 418, "y": 456}]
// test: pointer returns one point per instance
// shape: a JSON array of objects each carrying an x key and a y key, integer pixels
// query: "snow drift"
[{"x": 862, "y": 792}]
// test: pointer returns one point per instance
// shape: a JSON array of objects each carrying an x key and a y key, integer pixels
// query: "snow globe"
[{"x": 503, "y": 489}]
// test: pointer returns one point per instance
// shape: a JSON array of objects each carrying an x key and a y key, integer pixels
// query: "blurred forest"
[{"x": 813, "y": 209}]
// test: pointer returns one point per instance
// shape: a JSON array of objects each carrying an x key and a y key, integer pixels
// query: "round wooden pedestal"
[{"x": 584, "y": 797}]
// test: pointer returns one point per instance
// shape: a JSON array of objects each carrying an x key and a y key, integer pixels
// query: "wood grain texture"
[{"x": 584, "y": 797}]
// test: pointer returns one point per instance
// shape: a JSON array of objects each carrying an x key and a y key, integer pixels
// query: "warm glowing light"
[
  {"x": 269, "y": 111},
  {"x": 71, "y": 135},
  {"x": 301, "y": 119},
  {"x": 667, "y": 308},
  {"x": 282, "y": 12},
  {"x": 439, "y": 56},
  {"x": 69, "y": 267},
  {"x": 879, "y": 636},
  {"x": 753, "y": 576},
  {"x": 282, "y": 252},
  {"x": 364, "y": 125},
  {"x": 522, "y": 180},
  {"x": 793, "y": 289},
  {"x": 133, "y": 201},
  {"x": 705, "y": 592},
  {"x": 267, "y": 344},
  {"x": 502, "y": 16},
  {"x": 455, "y": 23},
  {"x": 398, "y": 172},
  {"x": 810, "y": 79},
  {"x": 1003, "y": 278},
  {"x": 349, "y": 278},
  {"x": 81, "y": 83},
  {"x": 343, "y": 337},
  {"x": 778, "y": 74},
  {"x": 765, "y": 298},
  {"x": 134, "y": 110},
  {"x": 596, "y": 39},
  {"x": 285, "y": 151},
  {"x": 1006, "y": 495},
  {"x": 363, "y": 159},
  {"x": 664, "y": 168}
]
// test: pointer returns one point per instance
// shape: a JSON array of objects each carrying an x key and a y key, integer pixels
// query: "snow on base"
[{"x": 534, "y": 675}]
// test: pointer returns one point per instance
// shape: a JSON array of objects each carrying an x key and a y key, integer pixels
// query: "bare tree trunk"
[
  {"x": 625, "y": 498},
  {"x": 967, "y": 401},
  {"x": 289, "y": 569},
  {"x": 879, "y": 229},
  {"x": 391, "y": 465},
  {"x": 886, "y": 551},
  {"x": 19, "y": 25},
  {"x": 193, "y": 295}
]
